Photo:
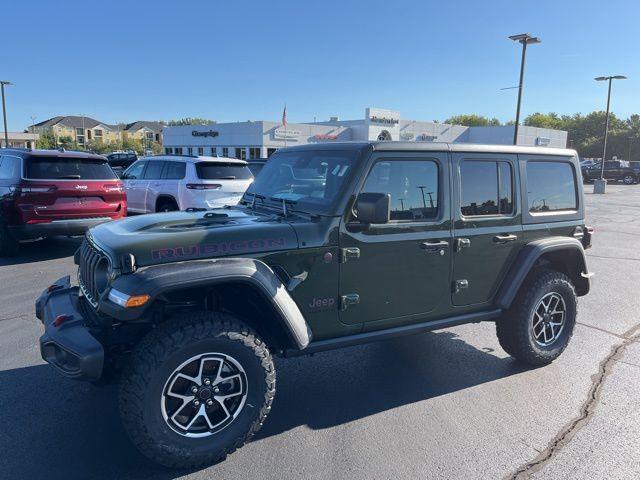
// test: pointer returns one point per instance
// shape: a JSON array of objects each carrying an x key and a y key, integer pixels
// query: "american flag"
[{"x": 284, "y": 117}]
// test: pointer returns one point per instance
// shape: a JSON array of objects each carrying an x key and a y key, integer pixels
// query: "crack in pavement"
[{"x": 586, "y": 411}]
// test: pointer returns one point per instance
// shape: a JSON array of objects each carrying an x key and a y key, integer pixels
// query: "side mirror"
[{"x": 373, "y": 207}]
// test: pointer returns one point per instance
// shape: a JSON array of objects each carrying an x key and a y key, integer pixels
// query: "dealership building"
[{"x": 259, "y": 139}]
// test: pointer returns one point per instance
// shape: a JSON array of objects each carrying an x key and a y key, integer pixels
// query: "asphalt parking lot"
[{"x": 447, "y": 404}]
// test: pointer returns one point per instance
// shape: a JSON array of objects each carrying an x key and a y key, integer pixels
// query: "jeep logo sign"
[{"x": 208, "y": 133}]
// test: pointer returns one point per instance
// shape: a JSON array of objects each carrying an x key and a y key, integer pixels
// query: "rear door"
[
  {"x": 155, "y": 185},
  {"x": 173, "y": 180},
  {"x": 488, "y": 224},
  {"x": 135, "y": 186}
]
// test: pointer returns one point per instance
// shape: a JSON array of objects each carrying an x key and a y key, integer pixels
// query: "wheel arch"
[
  {"x": 163, "y": 197},
  {"x": 563, "y": 254},
  {"x": 244, "y": 286}
]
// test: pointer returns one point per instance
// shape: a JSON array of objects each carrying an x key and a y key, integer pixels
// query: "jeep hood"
[{"x": 178, "y": 236}]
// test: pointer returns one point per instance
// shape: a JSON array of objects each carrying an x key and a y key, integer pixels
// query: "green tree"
[
  {"x": 46, "y": 141},
  {"x": 544, "y": 120},
  {"x": 472, "y": 120},
  {"x": 190, "y": 121}
]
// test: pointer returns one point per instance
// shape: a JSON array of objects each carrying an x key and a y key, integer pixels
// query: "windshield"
[
  {"x": 222, "y": 171},
  {"x": 60, "y": 168},
  {"x": 309, "y": 179}
]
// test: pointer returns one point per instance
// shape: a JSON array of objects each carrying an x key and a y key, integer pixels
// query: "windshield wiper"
[
  {"x": 285, "y": 211},
  {"x": 253, "y": 200}
]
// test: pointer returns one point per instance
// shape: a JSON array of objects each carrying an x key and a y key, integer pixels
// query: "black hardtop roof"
[
  {"x": 27, "y": 153},
  {"x": 391, "y": 146}
]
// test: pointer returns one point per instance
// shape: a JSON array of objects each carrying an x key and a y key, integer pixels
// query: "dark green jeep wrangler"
[{"x": 331, "y": 246}]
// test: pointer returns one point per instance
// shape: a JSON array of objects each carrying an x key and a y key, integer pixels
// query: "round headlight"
[{"x": 102, "y": 275}]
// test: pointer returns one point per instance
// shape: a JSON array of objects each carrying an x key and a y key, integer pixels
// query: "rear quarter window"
[
  {"x": 66, "y": 168},
  {"x": 9, "y": 168},
  {"x": 222, "y": 171},
  {"x": 551, "y": 187}
]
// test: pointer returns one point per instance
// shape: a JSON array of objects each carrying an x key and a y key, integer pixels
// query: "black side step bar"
[{"x": 377, "y": 335}]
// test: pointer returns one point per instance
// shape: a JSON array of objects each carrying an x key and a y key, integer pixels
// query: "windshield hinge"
[
  {"x": 349, "y": 299},
  {"x": 351, "y": 253}
]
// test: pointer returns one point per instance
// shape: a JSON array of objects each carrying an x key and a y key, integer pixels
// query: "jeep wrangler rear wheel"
[
  {"x": 197, "y": 388},
  {"x": 538, "y": 326}
]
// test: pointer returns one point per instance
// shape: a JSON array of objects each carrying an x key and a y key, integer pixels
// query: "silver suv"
[{"x": 165, "y": 183}]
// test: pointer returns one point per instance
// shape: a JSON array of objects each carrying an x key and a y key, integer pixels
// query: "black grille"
[{"x": 90, "y": 257}]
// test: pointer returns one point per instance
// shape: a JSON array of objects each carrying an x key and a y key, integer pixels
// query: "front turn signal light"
[{"x": 137, "y": 300}]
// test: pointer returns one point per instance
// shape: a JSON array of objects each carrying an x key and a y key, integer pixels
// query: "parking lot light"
[
  {"x": 599, "y": 185},
  {"x": 524, "y": 39},
  {"x": 4, "y": 112}
]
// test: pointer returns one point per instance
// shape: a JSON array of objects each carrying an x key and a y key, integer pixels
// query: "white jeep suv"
[{"x": 164, "y": 183}]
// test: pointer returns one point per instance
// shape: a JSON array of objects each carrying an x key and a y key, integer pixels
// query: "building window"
[
  {"x": 189, "y": 150},
  {"x": 271, "y": 151},
  {"x": 486, "y": 188},
  {"x": 149, "y": 136},
  {"x": 158, "y": 137},
  {"x": 200, "y": 151},
  {"x": 98, "y": 135},
  {"x": 254, "y": 152},
  {"x": 225, "y": 152},
  {"x": 214, "y": 152},
  {"x": 80, "y": 136},
  {"x": 241, "y": 153},
  {"x": 178, "y": 150},
  {"x": 89, "y": 134},
  {"x": 168, "y": 150}
]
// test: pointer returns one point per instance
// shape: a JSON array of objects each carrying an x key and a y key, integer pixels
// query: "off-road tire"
[
  {"x": 9, "y": 246},
  {"x": 154, "y": 360},
  {"x": 514, "y": 327}
]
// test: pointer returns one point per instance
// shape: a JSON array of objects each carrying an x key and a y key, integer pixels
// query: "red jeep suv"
[{"x": 51, "y": 192}]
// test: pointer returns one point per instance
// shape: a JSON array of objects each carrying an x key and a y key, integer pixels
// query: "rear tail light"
[
  {"x": 32, "y": 188},
  {"x": 203, "y": 186},
  {"x": 114, "y": 187}
]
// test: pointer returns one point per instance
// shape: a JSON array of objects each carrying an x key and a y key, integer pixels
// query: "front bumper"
[{"x": 69, "y": 347}]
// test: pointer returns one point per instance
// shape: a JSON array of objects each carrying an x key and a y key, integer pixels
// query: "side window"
[
  {"x": 551, "y": 187},
  {"x": 9, "y": 168},
  {"x": 486, "y": 188},
  {"x": 412, "y": 184},
  {"x": 174, "y": 170},
  {"x": 135, "y": 172},
  {"x": 153, "y": 171}
]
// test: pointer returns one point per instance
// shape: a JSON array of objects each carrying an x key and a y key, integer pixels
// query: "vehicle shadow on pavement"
[
  {"x": 57, "y": 428},
  {"x": 42, "y": 250}
]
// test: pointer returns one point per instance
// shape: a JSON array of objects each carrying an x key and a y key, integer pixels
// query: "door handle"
[
  {"x": 501, "y": 239},
  {"x": 436, "y": 248}
]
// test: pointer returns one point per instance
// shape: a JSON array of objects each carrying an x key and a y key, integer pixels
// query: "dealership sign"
[
  {"x": 427, "y": 138},
  {"x": 382, "y": 116},
  {"x": 407, "y": 136},
  {"x": 208, "y": 133},
  {"x": 286, "y": 134}
]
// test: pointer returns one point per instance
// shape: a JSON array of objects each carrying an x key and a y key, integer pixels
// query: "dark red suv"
[{"x": 50, "y": 192}]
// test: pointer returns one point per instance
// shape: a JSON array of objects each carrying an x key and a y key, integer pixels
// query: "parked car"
[
  {"x": 616, "y": 170},
  {"x": 636, "y": 167},
  {"x": 165, "y": 183},
  {"x": 120, "y": 161},
  {"x": 396, "y": 239},
  {"x": 51, "y": 192}
]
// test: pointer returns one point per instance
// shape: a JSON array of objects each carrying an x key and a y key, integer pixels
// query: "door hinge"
[
  {"x": 462, "y": 243},
  {"x": 349, "y": 299},
  {"x": 461, "y": 284},
  {"x": 351, "y": 253}
]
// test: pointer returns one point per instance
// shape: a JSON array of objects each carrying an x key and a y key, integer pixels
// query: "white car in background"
[{"x": 164, "y": 183}]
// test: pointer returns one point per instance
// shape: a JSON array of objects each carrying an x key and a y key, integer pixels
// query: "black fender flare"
[
  {"x": 528, "y": 257},
  {"x": 158, "y": 279}
]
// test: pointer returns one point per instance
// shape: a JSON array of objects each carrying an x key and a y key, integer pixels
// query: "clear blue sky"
[{"x": 239, "y": 60}]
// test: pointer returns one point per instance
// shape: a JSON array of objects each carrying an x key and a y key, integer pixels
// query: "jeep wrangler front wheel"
[
  {"x": 197, "y": 388},
  {"x": 538, "y": 326}
]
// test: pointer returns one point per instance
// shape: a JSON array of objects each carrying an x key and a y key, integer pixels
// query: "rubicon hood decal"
[{"x": 220, "y": 248}]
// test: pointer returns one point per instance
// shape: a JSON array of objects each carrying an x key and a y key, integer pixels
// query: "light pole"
[
  {"x": 524, "y": 39},
  {"x": 599, "y": 186},
  {"x": 4, "y": 112}
]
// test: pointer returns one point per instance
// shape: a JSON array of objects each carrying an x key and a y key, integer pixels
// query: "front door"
[
  {"x": 399, "y": 272},
  {"x": 488, "y": 224}
]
